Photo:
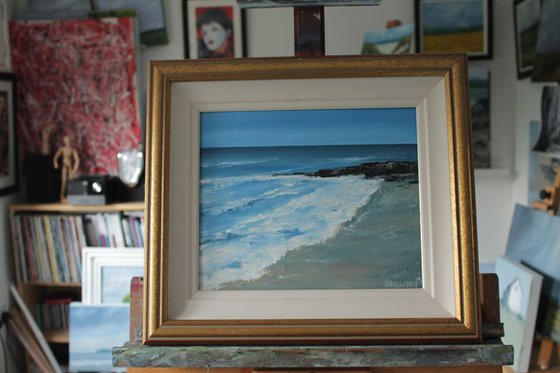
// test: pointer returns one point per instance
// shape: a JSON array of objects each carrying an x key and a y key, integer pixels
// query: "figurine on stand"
[{"x": 68, "y": 154}]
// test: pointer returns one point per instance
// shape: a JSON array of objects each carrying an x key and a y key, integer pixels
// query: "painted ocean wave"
[{"x": 247, "y": 235}]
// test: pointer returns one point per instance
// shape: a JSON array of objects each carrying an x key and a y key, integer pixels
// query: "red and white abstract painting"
[{"x": 79, "y": 75}]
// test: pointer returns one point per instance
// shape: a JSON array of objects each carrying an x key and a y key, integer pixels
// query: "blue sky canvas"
[
  {"x": 309, "y": 199},
  {"x": 115, "y": 283},
  {"x": 519, "y": 300},
  {"x": 94, "y": 331}
]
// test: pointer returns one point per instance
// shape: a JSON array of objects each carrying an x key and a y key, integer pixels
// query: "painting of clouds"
[
  {"x": 94, "y": 331},
  {"x": 520, "y": 290},
  {"x": 454, "y": 26}
]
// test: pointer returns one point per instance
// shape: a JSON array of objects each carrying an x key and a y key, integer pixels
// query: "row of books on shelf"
[
  {"x": 48, "y": 246},
  {"x": 53, "y": 313}
]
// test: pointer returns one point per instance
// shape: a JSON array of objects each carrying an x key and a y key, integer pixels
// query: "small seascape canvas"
[
  {"x": 396, "y": 38},
  {"x": 94, "y": 331},
  {"x": 549, "y": 135},
  {"x": 520, "y": 290},
  {"x": 309, "y": 199},
  {"x": 534, "y": 240},
  {"x": 448, "y": 26},
  {"x": 479, "y": 91},
  {"x": 115, "y": 283}
]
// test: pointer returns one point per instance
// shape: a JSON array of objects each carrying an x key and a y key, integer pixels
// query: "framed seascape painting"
[
  {"x": 527, "y": 16},
  {"x": 454, "y": 26},
  {"x": 9, "y": 180},
  {"x": 313, "y": 188},
  {"x": 213, "y": 29}
]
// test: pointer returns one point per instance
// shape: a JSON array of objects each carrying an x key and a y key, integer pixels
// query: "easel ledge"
[{"x": 486, "y": 357}]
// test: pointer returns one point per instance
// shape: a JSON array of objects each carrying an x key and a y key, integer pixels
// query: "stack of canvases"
[{"x": 80, "y": 75}]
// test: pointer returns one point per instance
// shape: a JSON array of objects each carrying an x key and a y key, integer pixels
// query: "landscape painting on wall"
[
  {"x": 309, "y": 199},
  {"x": 454, "y": 26}
]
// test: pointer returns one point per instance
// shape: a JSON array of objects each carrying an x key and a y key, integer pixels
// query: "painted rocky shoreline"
[{"x": 389, "y": 171}]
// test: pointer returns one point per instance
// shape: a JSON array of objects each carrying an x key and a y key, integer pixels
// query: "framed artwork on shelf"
[
  {"x": 213, "y": 29},
  {"x": 107, "y": 273},
  {"x": 9, "y": 178},
  {"x": 527, "y": 16},
  {"x": 454, "y": 26},
  {"x": 316, "y": 188}
]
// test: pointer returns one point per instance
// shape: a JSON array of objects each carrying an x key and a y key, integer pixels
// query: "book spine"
[{"x": 54, "y": 258}]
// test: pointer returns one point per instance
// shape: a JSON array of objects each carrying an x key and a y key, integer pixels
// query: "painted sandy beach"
[{"x": 312, "y": 216}]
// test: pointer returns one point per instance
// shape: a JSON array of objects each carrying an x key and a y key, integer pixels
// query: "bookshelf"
[{"x": 47, "y": 243}]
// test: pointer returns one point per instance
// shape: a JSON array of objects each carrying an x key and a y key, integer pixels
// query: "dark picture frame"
[
  {"x": 437, "y": 30},
  {"x": 9, "y": 173},
  {"x": 547, "y": 49},
  {"x": 236, "y": 17},
  {"x": 526, "y": 34}
]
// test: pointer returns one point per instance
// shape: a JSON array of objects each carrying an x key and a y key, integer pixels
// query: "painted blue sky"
[
  {"x": 115, "y": 283},
  {"x": 308, "y": 127},
  {"x": 98, "y": 327},
  {"x": 452, "y": 15}
]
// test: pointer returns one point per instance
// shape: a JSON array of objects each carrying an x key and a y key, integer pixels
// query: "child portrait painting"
[{"x": 214, "y": 29}]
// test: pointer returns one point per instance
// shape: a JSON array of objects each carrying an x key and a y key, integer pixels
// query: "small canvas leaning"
[{"x": 520, "y": 289}]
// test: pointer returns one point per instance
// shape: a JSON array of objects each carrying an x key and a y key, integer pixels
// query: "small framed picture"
[
  {"x": 9, "y": 181},
  {"x": 213, "y": 29},
  {"x": 527, "y": 16},
  {"x": 107, "y": 274},
  {"x": 454, "y": 26}
]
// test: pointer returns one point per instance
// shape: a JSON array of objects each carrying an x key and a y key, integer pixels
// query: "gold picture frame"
[{"x": 179, "y": 310}]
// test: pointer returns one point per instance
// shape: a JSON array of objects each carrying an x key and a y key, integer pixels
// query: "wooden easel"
[
  {"x": 550, "y": 196},
  {"x": 550, "y": 201}
]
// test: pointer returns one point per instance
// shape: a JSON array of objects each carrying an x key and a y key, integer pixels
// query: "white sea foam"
[{"x": 291, "y": 212}]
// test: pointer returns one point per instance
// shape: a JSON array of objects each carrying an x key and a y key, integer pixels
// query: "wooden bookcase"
[{"x": 35, "y": 291}]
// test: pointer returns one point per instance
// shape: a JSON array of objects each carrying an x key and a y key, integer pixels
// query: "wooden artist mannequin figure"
[{"x": 68, "y": 154}]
